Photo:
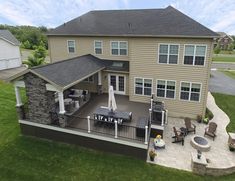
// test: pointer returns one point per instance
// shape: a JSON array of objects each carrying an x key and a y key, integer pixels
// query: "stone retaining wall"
[
  {"x": 40, "y": 101},
  {"x": 219, "y": 171},
  {"x": 203, "y": 169}
]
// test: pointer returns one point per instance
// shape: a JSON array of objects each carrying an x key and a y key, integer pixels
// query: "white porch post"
[
  {"x": 116, "y": 128},
  {"x": 61, "y": 102},
  {"x": 18, "y": 97},
  {"x": 146, "y": 135},
  {"x": 162, "y": 118},
  {"x": 150, "y": 115},
  {"x": 166, "y": 121},
  {"x": 88, "y": 124},
  {"x": 151, "y": 104},
  {"x": 99, "y": 78}
]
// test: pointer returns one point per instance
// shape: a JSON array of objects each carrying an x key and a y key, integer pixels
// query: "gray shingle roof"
[
  {"x": 144, "y": 22},
  {"x": 5, "y": 34},
  {"x": 67, "y": 72}
]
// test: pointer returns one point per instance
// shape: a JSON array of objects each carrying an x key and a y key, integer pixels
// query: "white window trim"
[
  {"x": 143, "y": 87},
  {"x": 101, "y": 46},
  {"x": 119, "y": 47},
  {"x": 168, "y": 53},
  {"x": 74, "y": 46},
  {"x": 194, "y": 55},
  {"x": 166, "y": 89},
  {"x": 190, "y": 91}
]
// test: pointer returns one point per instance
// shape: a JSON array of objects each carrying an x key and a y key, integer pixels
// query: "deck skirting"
[{"x": 88, "y": 140}]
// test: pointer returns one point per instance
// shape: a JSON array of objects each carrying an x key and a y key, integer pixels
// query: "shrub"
[{"x": 209, "y": 114}]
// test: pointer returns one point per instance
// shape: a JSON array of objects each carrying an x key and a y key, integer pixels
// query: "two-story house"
[
  {"x": 168, "y": 54},
  {"x": 158, "y": 54}
]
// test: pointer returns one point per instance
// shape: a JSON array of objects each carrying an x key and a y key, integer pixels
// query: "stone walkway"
[{"x": 177, "y": 156}]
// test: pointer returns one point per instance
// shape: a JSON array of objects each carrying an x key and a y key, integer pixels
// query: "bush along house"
[{"x": 156, "y": 60}]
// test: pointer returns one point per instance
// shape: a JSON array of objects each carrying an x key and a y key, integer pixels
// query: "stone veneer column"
[
  {"x": 40, "y": 101},
  {"x": 198, "y": 165}
]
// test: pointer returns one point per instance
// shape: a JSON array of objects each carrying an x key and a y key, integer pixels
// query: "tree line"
[{"x": 30, "y": 36}]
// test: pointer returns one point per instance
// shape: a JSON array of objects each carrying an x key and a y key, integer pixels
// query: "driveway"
[
  {"x": 6, "y": 74},
  {"x": 222, "y": 65},
  {"x": 221, "y": 83}
]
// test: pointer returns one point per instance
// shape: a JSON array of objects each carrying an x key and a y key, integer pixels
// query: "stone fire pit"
[{"x": 200, "y": 143}]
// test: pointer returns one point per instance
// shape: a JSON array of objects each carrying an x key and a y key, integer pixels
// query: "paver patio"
[{"x": 177, "y": 156}]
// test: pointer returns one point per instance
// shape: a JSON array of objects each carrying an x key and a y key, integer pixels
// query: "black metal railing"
[{"x": 119, "y": 131}]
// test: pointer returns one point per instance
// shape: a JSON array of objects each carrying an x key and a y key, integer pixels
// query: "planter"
[{"x": 152, "y": 159}]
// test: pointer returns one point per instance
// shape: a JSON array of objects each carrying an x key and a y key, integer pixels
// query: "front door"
[{"x": 118, "y": 83}]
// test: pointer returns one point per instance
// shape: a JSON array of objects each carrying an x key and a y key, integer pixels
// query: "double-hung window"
[
  {"x": 119, "y": 48},
  {"x": 71, "y": 46},
  {"x": 143, "y": 86},
  {"x": 98, "y": 47},
  {"x": 190, "y": 91},
  {"x": 166, "y": 88},
  {"x": 194, "y": 54},
  {"x": 168, "y": 54}
]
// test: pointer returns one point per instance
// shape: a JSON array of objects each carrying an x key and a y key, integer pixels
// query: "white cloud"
[
  {"x": 52, "y": 13},
  {"x": 217, "y": 14}
]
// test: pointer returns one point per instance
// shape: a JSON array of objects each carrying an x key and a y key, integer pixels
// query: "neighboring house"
[
  {"x": 224, "y": 40},
  {"x": 144, "y": 54},
  {"x": 9, "y": 51}
]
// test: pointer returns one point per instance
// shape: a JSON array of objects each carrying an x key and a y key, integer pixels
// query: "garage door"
[{"x": 9, "y": 63}]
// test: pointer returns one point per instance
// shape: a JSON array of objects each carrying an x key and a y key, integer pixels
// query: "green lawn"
[
  {"x": 227, "y": 104},
  {"x": 26, "y": 158},
  {"x": 223, "y": 58},
  {"x": 230, "y": 73}
]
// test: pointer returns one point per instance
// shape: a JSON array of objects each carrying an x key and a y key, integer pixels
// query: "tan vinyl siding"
[
  {"x": 143, "y": 63},
  {"x": 84, "y": 45},
  {"x": 143, "y": 57}
]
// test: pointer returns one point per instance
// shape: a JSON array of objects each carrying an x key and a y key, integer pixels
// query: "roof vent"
[{"x": 129, "y": 25}]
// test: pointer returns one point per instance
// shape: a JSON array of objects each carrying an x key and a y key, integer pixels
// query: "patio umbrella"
[{"x": 112, "y": 102}]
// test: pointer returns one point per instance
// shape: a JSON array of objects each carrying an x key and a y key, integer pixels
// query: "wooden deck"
[{"x": 127, "y": 131}]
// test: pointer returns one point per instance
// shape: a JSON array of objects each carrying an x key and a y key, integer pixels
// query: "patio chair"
[
  {"x": 210, "y": 130},
  {"x": 179, "y": 136},
  {"x": 189, "y": 126}
]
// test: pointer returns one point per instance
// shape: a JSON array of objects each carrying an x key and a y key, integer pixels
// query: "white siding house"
[{"x": 9, "y": 51}]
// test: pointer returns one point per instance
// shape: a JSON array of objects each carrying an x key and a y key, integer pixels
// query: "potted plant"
[
  {"x": 152, "y": 154},
  {"x": 206, "y": 120},
  {"x": 199, "y": 118},
  {"x": 231, "y": 147}
]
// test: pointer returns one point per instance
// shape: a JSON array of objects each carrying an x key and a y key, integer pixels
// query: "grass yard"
[
  {"x": 223, "y": 58},
  {"x": 230, "y": 73},
  {"x": 26, "y": 158},
  {"x": 227, "y": 104}
]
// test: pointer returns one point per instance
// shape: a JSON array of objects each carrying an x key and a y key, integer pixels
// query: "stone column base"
[
  {"x": 99, "y": 89},
  {"x": 63, "y": 120}
]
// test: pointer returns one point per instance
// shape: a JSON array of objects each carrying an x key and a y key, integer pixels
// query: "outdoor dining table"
[{"x": 105, "y": 115}]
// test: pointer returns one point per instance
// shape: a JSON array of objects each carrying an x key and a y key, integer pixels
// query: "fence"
[{"x": 110, "y": 129}]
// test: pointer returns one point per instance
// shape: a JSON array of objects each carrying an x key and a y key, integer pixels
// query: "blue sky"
[{"x": 218, "y": 15}]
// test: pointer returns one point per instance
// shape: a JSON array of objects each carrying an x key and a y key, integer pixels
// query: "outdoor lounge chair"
[
  {"x": 189, "y": 126},
  {"x": 179, "y": 136},
  {"x": 210, "y": 130}
]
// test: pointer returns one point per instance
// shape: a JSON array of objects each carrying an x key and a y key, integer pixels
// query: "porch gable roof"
[{"x": 67, "y": 73}]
